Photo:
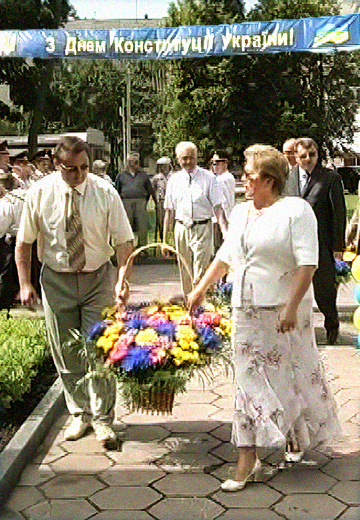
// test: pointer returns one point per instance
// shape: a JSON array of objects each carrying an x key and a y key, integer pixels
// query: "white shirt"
[
  {"x": 265, "y": 251},
  {"x": 11, "y": 206},
  {"x": 228, "y": 183},
  {"x": 102, "y": 215},
  {"x": 303, "y": 178},
  {"x": 193, "y": 196}
]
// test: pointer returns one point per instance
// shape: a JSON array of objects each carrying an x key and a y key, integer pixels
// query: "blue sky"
[{"x": 107, "y": 9}]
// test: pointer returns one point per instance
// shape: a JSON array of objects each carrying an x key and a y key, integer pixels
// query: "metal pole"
[{"x": 128, "y": 111}]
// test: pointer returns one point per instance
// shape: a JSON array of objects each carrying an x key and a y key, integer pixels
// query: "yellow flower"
[
  {"x": 105, "y": 344},
  {"x": 194, "y": 345},
  {"x": 115, "y": 328},
  {"x": 225, "y": 325},
  {"x": 185, "y": 332},
  {"x": 146, "y": 337}
]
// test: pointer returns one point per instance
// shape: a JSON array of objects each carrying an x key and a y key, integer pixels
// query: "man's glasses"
[
  {"x": 74, "y": 169},
  {"x": 216, "y": 161}
]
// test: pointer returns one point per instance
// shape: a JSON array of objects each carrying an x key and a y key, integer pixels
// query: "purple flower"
[
  {"x": 97, "y": 329},
  {"x": 137, "y": 359}
]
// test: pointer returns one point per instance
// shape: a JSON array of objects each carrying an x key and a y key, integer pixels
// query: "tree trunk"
[{"x": 39, "y": 108}]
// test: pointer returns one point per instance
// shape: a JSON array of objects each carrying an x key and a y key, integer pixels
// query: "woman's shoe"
[{"x": 236, "y": 485}]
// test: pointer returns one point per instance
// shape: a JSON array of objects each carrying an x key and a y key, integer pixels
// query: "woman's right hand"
[{"x": 194, "y": 299}]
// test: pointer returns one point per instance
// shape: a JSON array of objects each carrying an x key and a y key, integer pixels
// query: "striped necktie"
[{"x": 74, "y": 235}]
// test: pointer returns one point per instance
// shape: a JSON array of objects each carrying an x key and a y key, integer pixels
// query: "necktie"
[
  {"x": 74, "y": 235},
  {"x": 306, "y": 183}
]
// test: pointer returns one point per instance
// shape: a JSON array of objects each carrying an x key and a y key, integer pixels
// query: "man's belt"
[{"x": 195, "y": 223}]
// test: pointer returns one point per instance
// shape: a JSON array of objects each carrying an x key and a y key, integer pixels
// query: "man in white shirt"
[
  {"x": 77, "y": 277},
  {"x": 192, "y": 196},
  {"x": 220, "y": 163}
]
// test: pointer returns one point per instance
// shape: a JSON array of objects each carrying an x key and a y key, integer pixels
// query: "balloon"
[
  {"x": 355, "y": 268},
  {"x": 357, "y": 318},
  {"x": 357, "y": 292}
]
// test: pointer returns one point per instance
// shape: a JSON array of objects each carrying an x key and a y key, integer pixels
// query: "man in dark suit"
[{"x": 323, "y": 190}]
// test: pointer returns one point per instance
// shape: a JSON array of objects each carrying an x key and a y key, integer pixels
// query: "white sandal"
[{"x": 236, "y": 485}]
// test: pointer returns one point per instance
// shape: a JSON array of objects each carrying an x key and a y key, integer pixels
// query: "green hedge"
[{"x": 23, "y": 348}]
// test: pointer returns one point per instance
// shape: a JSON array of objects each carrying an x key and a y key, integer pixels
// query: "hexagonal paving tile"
[
  {"x": 122, "y": 515},
  {"x": 254, "y": 495},
  {"x": 189, "y": 462},
  {"x": 192, "y": 426},
  {"x": 302, "y": 479},
  {"x": 193, "y": 410},
  {"x": 305, "y": 506},
  {"x": 61, "y": 510},
  {"x": 126, "y": 497},
  {"x": 83, "y": 464},
  {"x": 191, "y": 442},
  {"x": 353, "y": 513},
  {"x": 140, "y": 475},
  {"x": 348, "y": 492},
  {"x": 47, "y": 455},
  {"x": 141, "y": 434},
  {"x": 223, "y": 433},
  {"x": 8, "y": 514},
  {"x": 250, "y": 514},
  {"x": 87, "y": 444},
  {"x": 346, "y": 468},
  {"x": 226, "y": 452},
  {"x": 71, "y": 486},
  {"x": 187, "y": 484},
  {"x": 35, "y": 474},
  {"x": 134, "y": 452},
  {"x": 23, "y": 497},
  {"x": 196, "y": 397},
  {"x": 186, "y": 508}
]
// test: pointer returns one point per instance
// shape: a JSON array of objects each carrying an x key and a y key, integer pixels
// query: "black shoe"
[{"x": 331, "y": 336}]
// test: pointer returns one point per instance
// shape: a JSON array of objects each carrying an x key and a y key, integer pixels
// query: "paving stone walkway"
[{"x": 170, "y": 467}]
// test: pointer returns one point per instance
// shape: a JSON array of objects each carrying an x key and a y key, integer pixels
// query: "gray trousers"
[
  {"x": 137, "y": 215},
  {"x": 75, "y": 301},
  {"x": 195, "y": 246}
]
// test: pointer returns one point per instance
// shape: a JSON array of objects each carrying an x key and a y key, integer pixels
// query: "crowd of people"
[{"x": 279, "y": 245}]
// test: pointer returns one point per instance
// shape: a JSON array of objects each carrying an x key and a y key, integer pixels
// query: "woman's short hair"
[
  {"x": 70, "y": 144},
  {"x": 269, "y": 162}
]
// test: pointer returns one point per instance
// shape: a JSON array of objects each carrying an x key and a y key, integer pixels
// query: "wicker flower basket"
[{"x": 152, "y": 400}]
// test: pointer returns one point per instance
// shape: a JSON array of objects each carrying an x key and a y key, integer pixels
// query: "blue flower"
[
  {"x": 136, "y": 322},
  {"x": 209, "y": 338},
  {"x": 137, "y": 359},
  {"x": 97, "y": 329},
  {"x": 166, "y": 329},
  {"x": 341, "y": 267}
]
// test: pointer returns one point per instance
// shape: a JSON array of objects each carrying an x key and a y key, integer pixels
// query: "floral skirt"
[{"x": 281, "y": 387}]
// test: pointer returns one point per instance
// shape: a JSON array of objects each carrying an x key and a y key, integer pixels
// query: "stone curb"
[{"x": 28, "y": 438}]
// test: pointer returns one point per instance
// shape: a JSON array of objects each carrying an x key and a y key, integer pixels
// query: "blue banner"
[{"x": 324, "y": 34}]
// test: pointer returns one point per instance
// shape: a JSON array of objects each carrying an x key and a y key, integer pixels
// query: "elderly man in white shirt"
[
  {"x": 74, "y": 215},
  {"x": 192, "y": 196}
]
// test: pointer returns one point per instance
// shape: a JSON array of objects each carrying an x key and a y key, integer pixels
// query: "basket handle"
[{"x": 133, "y": 255}]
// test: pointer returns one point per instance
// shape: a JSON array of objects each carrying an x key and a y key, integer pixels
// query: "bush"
[{"x": 23, "y": 348}]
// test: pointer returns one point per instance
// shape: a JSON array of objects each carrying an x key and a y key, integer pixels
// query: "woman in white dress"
[{"x": 281, "y": 388}]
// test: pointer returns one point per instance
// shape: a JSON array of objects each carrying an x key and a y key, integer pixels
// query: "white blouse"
[{"x": 265, "y": 250}]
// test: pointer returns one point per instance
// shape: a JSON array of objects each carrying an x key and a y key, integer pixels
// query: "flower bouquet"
[{"x": 155, "y": 350}]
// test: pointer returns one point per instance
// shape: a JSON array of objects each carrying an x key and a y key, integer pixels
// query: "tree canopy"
[{"x": 232, "y": 102}]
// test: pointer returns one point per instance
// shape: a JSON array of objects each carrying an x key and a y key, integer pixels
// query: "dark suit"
[{"x": 324, "y": 192}]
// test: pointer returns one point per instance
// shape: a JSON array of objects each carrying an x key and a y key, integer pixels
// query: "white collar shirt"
[
  {"x": 228, "y": 183},
  {"x": 303, "y": 178},
  {"x": 193, "y": 196},
  {"x": 11, "y": 206},
  {"x": 102, "y": 215}
]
